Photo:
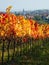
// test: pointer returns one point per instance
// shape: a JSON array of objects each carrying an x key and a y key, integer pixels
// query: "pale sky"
[{"x": 19, "y": 5}]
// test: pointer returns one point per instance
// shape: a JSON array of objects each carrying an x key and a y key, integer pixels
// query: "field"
[
  {"x": 32, "y": 52},
  {"x": 23, "y": 41}
]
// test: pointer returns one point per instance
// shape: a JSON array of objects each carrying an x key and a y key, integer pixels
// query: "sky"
[{"x": 19, "y": 5}]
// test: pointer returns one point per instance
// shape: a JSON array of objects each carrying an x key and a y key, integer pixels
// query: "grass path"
[{"x": 19, "y": 49}]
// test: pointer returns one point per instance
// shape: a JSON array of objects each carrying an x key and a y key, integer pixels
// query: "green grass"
[{"x": 35, "y": 52}]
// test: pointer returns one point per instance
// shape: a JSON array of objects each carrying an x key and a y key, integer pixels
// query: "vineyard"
[{"x": 23, "y": 41}]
